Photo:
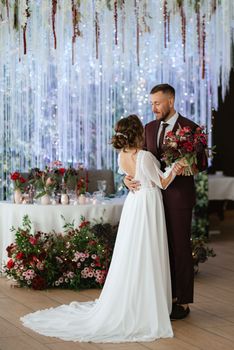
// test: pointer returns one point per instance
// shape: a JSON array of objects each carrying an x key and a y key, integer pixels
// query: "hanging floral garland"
[
  {"x": 54, "y": 10},
  {"x": 76, "y": 19},
  {"x": 203, "y": 46},
  {"x": 22, "y": 13}
]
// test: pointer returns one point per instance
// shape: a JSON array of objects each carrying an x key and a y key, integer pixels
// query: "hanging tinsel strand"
[{"x": 54, "y": 10}]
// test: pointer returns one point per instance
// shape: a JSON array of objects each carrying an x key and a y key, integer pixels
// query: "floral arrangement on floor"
[{"x": 77, "y": 259}]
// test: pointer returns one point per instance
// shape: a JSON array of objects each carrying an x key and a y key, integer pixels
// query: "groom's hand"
[{"x": 131, "y": 184}]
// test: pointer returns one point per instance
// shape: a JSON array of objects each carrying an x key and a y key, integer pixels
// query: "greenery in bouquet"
[
  {"x": 76, "y": 260},
  {"x": 184, "y": 144},
  {"x": 18, "y": 180}
]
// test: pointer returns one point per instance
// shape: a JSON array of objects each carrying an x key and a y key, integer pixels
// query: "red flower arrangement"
[
  {"x": 184, "y": 144},
  {"x": 19, "y": 181}
]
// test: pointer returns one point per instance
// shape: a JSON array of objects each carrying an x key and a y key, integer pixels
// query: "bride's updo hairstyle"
[{"x": 128, "y": 133}]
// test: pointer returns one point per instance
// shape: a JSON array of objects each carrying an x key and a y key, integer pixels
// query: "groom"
[{"x": 178, "y": 198}]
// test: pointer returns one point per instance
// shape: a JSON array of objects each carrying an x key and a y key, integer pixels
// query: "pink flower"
[{"x": 33, "y": 240}]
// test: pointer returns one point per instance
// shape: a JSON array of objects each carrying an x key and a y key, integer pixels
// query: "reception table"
[
  {"x": 47, "y": 218},
  {"x": 220, "y": 187}
]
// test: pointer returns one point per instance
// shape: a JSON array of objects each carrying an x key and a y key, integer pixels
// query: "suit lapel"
[{"x": 177, "y": 124}]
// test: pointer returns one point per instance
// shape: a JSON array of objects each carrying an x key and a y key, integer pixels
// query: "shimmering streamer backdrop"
[{"x": 70, "y": 68}]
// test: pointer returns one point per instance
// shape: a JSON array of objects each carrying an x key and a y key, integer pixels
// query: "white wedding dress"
[{"x": 135, "y": 301}]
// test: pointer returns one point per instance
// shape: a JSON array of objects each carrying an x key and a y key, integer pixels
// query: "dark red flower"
[
  {"x": 10, "y": 264},
  {"x": 188, "y": 146},
  {"x": 20, "y": 256},
  {"x": 10, "y": 249},
  {"x": 62, "y": 171},
  {"x": 33, "y": 240},
  {"x": 22, "y": 179},
  {"x": 84, "y": 224},
  {"x": 15, "y": 176}
]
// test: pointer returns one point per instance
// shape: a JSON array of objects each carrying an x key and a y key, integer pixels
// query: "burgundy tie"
[{"x": 161, "y": 138}]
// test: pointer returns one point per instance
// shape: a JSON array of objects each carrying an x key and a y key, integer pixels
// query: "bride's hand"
[
  {"x": 183, "y": 162},
  {"x": 178, "y": 168}
]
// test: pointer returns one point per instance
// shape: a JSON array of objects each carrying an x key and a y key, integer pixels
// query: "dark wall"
[{"x": 223, "y": 132}]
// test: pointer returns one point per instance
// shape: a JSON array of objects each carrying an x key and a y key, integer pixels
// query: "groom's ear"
[{"x": 171, "y": 101}]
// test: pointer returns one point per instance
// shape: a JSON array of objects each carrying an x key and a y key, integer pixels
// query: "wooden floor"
[{"x": 209, "y": 326}]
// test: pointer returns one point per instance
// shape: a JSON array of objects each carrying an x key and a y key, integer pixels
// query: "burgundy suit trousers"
[{"x": 180, "y": 252}]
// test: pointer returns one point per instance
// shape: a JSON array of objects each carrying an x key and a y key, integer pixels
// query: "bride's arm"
[{"x": 153, "y": 172}]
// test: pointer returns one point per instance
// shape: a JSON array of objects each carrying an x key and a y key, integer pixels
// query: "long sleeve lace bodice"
[{"x": 148, "y": 171}]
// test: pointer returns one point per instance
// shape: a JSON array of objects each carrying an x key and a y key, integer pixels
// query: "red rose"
[
  {"x": 22, "y": 179},
  {"x": 62, "y": 171},
  {"x": 20, "y": 256},
  {"x": 15, "y": 176},
  {"x": 169, "y": 134},
  {"x": 10, "y": 263},
  {"x": 84, "y": 223},
  {"x": 188, "y": 146}
]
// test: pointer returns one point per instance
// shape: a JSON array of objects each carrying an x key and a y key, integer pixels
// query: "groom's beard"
[{"x": 163, "y": 116}]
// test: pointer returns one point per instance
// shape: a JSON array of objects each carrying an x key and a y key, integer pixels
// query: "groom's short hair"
[{"x": 165, "y": 88}]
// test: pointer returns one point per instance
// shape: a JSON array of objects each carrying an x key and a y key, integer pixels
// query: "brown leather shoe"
[{"x": 179, "y": 312}]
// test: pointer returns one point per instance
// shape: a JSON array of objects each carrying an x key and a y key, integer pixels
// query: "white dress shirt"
[{"x": 171, "y": 122}]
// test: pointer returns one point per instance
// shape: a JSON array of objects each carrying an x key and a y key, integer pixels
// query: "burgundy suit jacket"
[{"x": 181, "y": 192}]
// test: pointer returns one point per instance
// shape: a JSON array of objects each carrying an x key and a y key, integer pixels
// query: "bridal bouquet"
[{"x": 184, "y": 144}]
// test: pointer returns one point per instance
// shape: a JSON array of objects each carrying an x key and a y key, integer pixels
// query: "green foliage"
[{"x": 200, "y": 222}]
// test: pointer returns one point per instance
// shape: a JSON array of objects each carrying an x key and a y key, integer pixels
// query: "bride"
[{"x": 135, "y": 302}]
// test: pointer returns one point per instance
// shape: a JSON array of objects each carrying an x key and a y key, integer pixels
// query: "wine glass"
[{"x": 101, "y": 184}]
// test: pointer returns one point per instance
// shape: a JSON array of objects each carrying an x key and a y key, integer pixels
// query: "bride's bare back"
[{"x": 127, "y": 161}]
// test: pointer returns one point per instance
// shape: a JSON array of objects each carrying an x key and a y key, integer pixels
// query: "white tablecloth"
[
  {"x": 48, "y": 217},
  {"x": 220, "y": 187}
]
